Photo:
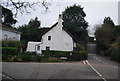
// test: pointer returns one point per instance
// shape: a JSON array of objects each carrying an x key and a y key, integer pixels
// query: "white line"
[
  {"x": 105, "y": 62},
  {"x": 7, "y": 76},
  {"x": 84, "y": 62},
  {"x": 95, "y": 70},
  {"x": 104, "y": 79}
]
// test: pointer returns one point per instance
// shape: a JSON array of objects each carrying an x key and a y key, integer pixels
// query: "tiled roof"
[{"x": 4, "y": 27}]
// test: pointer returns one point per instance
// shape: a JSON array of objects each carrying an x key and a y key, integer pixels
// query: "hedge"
[
  {"x": 76, "y": 55},
  {"x": 16, "y": 44},
  {"x": 30, "y": 56},
  {"x": 9, "y": 50},
  {"x": 54, "y": 53}
]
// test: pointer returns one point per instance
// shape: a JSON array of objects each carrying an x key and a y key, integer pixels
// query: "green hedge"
[
  {"x": 8, "y": 51},
  {"x": 53, "y": 53},
  {"x": 76, "y": 55},
  {"x": 30, "y": 56},
  {"x": 16, "y": 44}
]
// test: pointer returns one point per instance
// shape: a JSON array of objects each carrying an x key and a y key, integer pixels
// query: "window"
[
  {"x": 38, "y": 48},
  {"x": 13, "y": 38},
  {"x": 47, "y": 48},
  {"x": 6, "y": 37},
  {"x": 49, "y": 38}
]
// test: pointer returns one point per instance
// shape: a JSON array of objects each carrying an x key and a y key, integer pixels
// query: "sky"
[{"x": 96, "y": 11}]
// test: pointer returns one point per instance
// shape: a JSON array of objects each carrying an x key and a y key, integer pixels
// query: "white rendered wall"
[
  {"x": 31, "y": 47},
  {"x": 67, "y": 44},
  {"x": 10, "y": 35},
  {"x": 56, "y": 36}
]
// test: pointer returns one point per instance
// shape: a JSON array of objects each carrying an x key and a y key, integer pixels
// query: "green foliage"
[
  {"x": 53, "y": 53},
  {"x": 11, "y": 44},
  {"x": 73, "y": 18},
  {"x": 74, "y": 22},
  {"x": 72, "y": 55},
  {"x": 9, "y": 50},
  {"x": 30, "y": 31},
  {"x": 30, "y": 57},
  {"x": 116, "y": 32},
  {"x": 78, "y": 55},
  {"x": 108, "y": 39},
  {"x": 16, "y": 44},
  {"x": 7, "y": 16},
  {"x": 79, "y": 47},
  {"x": 115, "y": 55},
  {"x": 108, "y": 21},
  {"x": 104, "y": 35}
]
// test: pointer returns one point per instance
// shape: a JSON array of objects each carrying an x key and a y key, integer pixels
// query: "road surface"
[{"x": 96, "y": 67}]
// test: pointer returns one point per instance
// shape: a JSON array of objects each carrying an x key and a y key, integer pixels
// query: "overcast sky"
[{"x": 96, "y": 11}]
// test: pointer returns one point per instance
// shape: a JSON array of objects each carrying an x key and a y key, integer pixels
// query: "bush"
[
  {"x": 75, "y": 56},
  {"x": 16, "y": 44},
  {"x": 30, "y": 56},
  {"x": 79, "y": 47},
  {"x": 115, "y": 55},
  {"x": 8, "y": 51},
  {"x": 78, "y": 55},
  {"x": 53, "y": 53}
]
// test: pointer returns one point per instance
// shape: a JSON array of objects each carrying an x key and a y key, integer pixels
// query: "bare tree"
[{"x": 24, "y": 6}]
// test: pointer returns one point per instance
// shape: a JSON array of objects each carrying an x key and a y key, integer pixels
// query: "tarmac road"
[{"x": 95, "y": 67}]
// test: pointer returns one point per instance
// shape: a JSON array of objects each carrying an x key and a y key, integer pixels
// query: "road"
[{"x": 96, "y": 67}]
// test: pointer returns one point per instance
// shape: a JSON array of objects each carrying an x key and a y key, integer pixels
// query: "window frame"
[
  {"x": 47, "y": 47},
  {"x": 49, "y": 38}
]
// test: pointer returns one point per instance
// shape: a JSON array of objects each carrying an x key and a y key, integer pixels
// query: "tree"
[
  {"x": 30, "y": 31},
  {"x": 104, "y": 35},
  {"x": 24, "y": 6},
  {"x": 74, "y": 22},
  {"x": 7, "y": 17},
  {"x": 108, "y": 21}
]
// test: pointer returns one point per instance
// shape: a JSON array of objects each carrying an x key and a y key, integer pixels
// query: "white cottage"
[
  {"x": 8, "y": 33},
  {"x": 55, "y": 38}
]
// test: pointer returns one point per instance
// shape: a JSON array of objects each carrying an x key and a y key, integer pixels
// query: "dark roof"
[
  {"x": 5, "y": 27},
  {"x": 63, "y": 29},
  {"x": 48, "y": 29}
]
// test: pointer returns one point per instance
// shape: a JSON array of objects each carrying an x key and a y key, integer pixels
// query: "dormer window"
[{"x": 49, "y": 38}]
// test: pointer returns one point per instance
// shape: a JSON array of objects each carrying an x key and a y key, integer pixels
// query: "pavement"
[{"x": 95, "y": 68}]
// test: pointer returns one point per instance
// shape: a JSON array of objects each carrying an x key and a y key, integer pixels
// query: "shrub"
[
  {"x": 79, "y": 47},
  {"x": 11, "y": 43},
  {"x": 30, "y": 56},
  {"x": 53, "y": 53},
  {"x": 16, "y": 44},
  {"x": 8, "y": 51},
  {"x": 76, "y": 55},
  {"x": 115, "y": 55}
]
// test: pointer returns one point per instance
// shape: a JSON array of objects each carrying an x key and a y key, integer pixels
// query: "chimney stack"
[{"x": 60, "y": 20}]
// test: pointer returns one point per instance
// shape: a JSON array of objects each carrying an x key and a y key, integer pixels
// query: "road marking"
[
  {"x": 7, "y": 77},
  {"x": 104, "y": 79},
  {"x": 84, "y": 62},
  {"x": 95, "y": 70},
  {"x": 105, "y": 62}
]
